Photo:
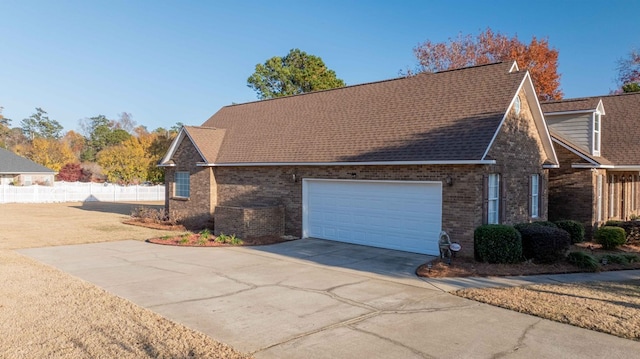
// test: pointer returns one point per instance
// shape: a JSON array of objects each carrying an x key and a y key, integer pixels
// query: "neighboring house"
[
  {"x": 597, "y": 140},
  {"x": 21, "y": 171},
  {"x": 387, "y": 164}
]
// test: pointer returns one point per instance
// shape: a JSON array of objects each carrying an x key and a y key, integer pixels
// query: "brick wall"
[
  {"x": 572, "y": 192},
  {"x": 519, "y": 153},
  {"x": 195, "y": 212},
  {"x": 246, "y": 222}
]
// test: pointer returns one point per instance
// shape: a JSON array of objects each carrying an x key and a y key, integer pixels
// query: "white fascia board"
[
  {"x": 514, "y": 67},
  {"x": 625, "y": 168},
  {"x": 383, "y": 163},
  {"x": 172, "y": 148},
  {"x": 166, "y": 165},
  {"x": 587, "y": 165},
  {"x": 550, "y": 166},
  {"x": 558, "y": 113},
  {"x": 600, "y": 108},
  {"x": 572, "y": 150}
]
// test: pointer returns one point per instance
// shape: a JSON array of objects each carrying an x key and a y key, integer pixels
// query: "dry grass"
[
  {"x": 609, "y": 307},
  {"x": 45, "y": 313}
]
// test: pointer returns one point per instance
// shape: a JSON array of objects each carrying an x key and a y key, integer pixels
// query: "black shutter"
[
  {"x": 530, "y": 203},
  {"x": 485, "y": 199},
  {"x": 503, "y": 200},
  {"x": 541, "y": 211}
]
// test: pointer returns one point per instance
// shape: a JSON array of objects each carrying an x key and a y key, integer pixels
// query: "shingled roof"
[
  {"x": 620, "y": 143},
  {"x": 10, "y": 163},
  {"x": 446, "y": 116}
]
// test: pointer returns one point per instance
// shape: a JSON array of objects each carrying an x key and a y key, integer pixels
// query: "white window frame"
[
  {"x": 181, "y": 184},
  {"x": 597, "y": 127},
  {"x": 535, "y": 195},
  {"x": 493, "y": 197},
  {"x": 599, "y": 198}
]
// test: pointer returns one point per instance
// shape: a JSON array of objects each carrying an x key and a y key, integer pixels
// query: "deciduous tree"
[
  {"x": 295, "y": 73},
  {"x": 629, "y": 72},
  {"x": 50, "y": 153},
  {"x": 488, "y": 47}
]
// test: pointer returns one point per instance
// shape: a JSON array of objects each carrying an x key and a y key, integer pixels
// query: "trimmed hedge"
[
  {"x": 543, "y": 244},
  {"x": 610, "y": 237},
  {"x": 495, "y": 243},
  {"x": 631, "y": 228},
  {"x": 575, "y": 229}
]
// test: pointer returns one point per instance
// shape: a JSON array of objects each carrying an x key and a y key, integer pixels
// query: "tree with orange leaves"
[{"x": 488, "y": 47}]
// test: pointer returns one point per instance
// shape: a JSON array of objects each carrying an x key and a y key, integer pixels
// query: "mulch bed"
[
  {"x": 196, "y": 240},
  {"x": 154, "y": 225},
  {"x": 468, "y": 267}
]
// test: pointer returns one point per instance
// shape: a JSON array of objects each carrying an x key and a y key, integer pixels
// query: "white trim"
[
  {"x": 595, "y": 165},
  {"x": 571, "y": 149},
  {"x": 595, "y": 115},
  {"x": 558, "y": 113},
  {"x": 174, "y": 146},
  {"x": 514, "y": 67},
  {"x": 381, "y": 163},
  {"x": 550, "y": 166},
  {"x": 531, "y": 98},
  {"x": 625, "y": 168}
]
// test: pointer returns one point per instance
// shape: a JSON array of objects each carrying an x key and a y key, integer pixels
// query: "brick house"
[
  {"x": 596, "y": 140},
  {"x": 388, "y": 164},
  {"x": 22, "y": 171}
]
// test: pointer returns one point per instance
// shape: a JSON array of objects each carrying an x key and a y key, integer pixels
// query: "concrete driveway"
[{"x": 320, "y": 299}]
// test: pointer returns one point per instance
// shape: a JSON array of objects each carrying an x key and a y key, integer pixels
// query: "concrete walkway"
[
  {"x": 456, "y": 283},
  {"x": 320, "y": 299}
]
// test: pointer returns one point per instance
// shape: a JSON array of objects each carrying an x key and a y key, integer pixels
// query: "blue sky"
[{"x": 180, "y": 61}]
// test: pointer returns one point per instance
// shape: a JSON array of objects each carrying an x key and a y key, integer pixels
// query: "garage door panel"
[{"x": 390, "y": 214}]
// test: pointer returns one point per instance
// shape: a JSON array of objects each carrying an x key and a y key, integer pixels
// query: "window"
[
  {"x": 596, "y": 134},
  {"x": 535, "y": 195},
  {"x": 181, "y": 186},
  {"x": 517, "y": 105},
  {"x": 599, "y": 198},
  {"x": 493, "y": 199},
  {"x": 612, "y": 195}
]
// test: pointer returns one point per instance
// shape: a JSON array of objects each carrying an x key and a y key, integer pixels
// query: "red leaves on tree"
[{"x": 488, "y": 47}]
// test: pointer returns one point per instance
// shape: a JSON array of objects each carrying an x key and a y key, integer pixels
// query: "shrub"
[
  {"x": 544, "y": 244},
  {"x": 575, "y": 229},
  {"x": 615, "y": 258},
  {"x": 631, "y": 258},
  {"x": 495, "y": 243},
  {"x": 631, "y": 228},
  {"x": 610, "y": 237},
  {"x": 583, "y": 260}
]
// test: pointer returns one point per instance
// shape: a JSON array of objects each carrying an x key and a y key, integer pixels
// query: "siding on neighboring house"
[{"x": 576, "y": 127}]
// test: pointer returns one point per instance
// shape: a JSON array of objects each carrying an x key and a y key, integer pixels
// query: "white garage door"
[{"x": 402, "y": 215}]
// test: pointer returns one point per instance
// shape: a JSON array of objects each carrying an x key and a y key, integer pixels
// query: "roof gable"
[
  {"x": 620, "y": 125},
  {"x": 446, "y": 116},
  {"x": 10, "y": 163}
]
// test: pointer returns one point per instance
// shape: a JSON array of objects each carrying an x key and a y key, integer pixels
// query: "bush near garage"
[
  {"x": 575, "y": 229},
  {"x": 543, "y": 244},
  {"x": 610, "y": 237},
  {"x": 495, "y": 243}
]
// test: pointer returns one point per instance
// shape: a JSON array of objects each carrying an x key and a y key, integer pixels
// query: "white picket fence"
[{"x": 80, "y": 192}]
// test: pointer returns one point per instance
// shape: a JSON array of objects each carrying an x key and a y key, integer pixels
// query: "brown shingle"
[
  {"x": 444, "y": 116},
  {"x": 208, "y": 139},
  {"x": 575, "y": 104}
]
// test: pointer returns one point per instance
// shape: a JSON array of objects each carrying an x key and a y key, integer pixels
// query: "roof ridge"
[
  {"x": 370, "y": 83},
  {"x": 590, "y": 97}
]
